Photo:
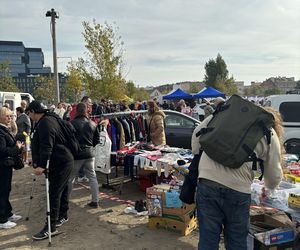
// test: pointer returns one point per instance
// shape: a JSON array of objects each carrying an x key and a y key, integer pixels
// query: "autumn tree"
[
  {"x": 216, "y": 76},
  {"x": 101, "y": 70},
  {"x": 45, "y": 90},
  {"x": 7, "y": 83},
  {"x": 71, "y": 91}
]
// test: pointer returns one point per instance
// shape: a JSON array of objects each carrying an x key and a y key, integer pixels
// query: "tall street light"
[{"x": 51, "y": 13}]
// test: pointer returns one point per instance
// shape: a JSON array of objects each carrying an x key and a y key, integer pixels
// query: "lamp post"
[{"x": 51, "y": 13}]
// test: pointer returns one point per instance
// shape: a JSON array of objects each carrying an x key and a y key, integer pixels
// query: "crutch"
[
  {"x": 31, "y": 197},
  {"x": 48, "y": 201}
]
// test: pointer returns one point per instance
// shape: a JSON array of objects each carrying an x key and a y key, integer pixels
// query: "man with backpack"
[
  {"x": 49, "y": 142},
  {"x": 225, "y": 175}
]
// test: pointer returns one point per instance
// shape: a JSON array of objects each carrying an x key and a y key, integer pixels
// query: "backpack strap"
[
  {"x": 252, "y": 156},
  {"x": 203, "y": 131}
]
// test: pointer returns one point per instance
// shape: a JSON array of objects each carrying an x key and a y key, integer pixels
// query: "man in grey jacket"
[{"x": 224, "y": 194}]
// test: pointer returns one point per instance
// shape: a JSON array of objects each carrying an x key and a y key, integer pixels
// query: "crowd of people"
[
  {"x": 223, "y": 194},
  {"x": 49, "y": 145}
]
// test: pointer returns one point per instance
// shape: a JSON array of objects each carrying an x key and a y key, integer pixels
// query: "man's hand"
[{"x": 38, "y": 171}]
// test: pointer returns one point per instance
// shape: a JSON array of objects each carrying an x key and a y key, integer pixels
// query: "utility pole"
[{"x": 51, "y": 13}]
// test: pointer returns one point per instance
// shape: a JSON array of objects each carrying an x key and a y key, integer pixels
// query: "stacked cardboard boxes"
[{"x": 180, "y": 219}]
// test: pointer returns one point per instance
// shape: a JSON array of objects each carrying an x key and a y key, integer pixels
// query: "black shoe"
[
  {"x": 44, "y": 234},
  {"x": 93, "y": 204},
  {"x": 61, "y": 221}
]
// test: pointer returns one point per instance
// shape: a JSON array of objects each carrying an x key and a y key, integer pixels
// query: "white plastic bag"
[{"x": 102, "y": 153}]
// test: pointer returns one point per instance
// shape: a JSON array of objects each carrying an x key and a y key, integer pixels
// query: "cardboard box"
[
  {"x": 154, "y": 202},
  {"x": 182, "y": 218},
  {"x": 253, "y": 244},
  {"x": 184, "y": 228},
  {"x": 294, "y": 200},
  {"x": 278, "y": 233},
  {"x": 186, "y": 208}
]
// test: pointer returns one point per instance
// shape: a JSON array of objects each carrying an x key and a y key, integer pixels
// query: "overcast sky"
[{"x": 168, "y": 41}]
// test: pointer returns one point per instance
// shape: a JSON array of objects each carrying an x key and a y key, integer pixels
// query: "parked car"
[
  {"x": 179, "y": 129},
  {"x": 289, "y": 108},
  {"x": 14, "y": 99}
]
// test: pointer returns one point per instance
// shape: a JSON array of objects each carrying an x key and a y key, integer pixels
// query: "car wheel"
[{"x": 292, "y": 146}]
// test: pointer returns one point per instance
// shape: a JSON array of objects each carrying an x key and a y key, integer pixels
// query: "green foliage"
[
  {"x": 274, "y": 91},
  {"x": 101, "y": 71},
  {"x": 254, "y": 90},
  {"x": 71, "y": 91},
  {"x": 217, "y": 76},
  {"x": 136, "y": 93},
  {"x": 215, "y": 68},
  {"x": 194, "y": 87},
  {"x": 130, "y": 89},
  {"x": 141, "y": 94},
  {"x": 45, "y": 90},
  {"x": 6, "y": 81}
]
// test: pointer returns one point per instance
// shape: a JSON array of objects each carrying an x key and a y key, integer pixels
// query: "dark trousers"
[
  {"x": 58, "y": 191},
  {"x": 5, "y": 187}
]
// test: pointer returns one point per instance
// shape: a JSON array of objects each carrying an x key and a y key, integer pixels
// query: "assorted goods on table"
[{"x": 270, "y": 226}]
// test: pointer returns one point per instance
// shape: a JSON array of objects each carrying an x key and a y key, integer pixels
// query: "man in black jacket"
[
  {"x": 48, "y": 142},
  {"x": 88, "y": 136}
]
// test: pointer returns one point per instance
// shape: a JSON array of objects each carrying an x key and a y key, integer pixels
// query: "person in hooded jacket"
[
  {"x": 155, "y": 123},
  {"x": 49, "y": 143}
]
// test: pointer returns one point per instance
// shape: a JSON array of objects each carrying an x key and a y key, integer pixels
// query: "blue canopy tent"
[
  {"x": 177, "y": 94},
  {"x": 209, "y": 92}
]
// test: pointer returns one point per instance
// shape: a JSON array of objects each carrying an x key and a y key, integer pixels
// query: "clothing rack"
[
  {"x": 117, "y": 114},
  {"x": 113, "y": 115}
]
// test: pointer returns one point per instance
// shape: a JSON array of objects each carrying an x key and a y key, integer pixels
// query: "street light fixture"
[{"x": 51, "y": 13}]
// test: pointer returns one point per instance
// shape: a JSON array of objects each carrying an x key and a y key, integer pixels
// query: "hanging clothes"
[{"x": 102, "y": 152}]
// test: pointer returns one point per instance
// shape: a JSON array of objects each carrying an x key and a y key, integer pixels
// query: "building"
[
  {"x": 284, "y": 84},
  {"x": 240, "y": 86},
  {"x": 25, "y": 63}
]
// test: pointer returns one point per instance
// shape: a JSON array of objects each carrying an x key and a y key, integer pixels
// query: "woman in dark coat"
[{"x": 8, "y": 148}]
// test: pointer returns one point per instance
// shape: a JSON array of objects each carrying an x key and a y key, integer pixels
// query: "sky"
[{"x": 169, "y": 41}]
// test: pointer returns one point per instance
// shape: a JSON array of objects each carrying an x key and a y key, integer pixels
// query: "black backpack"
[
  {"x": 69, "y": 133},
  {"x": 232, "y": 134}
]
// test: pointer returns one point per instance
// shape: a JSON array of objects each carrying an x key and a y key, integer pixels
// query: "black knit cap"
[{"x": 36, "y": 107}]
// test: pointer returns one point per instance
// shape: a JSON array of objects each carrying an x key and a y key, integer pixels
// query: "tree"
[
  {"x": 194, "y": 88},
  {"x": 71, "y": 91},
  {"x": 141, "y": 94},
  {"x": 101, "y": 71},
  {"x": 215, "y": 68},
  {"x": 7, "y": 83},
  {"x": 274, "y": 91},
  {"x": 45, "y": 90},
  {"x": 130, "y": 89}
]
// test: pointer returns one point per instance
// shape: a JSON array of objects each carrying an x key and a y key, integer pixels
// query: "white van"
[
  {"x": 14, "y": 99},
  {"x": 289, "y": 108}
]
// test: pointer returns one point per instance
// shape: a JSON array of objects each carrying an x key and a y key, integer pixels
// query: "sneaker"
[
  {"x": 44, "y": 234},
  {"x": 93, "y": 204},
  {"x": 7, "y": 225},
  {"x": 15, "y": 217},
  {"x": 62, "y": 221}
]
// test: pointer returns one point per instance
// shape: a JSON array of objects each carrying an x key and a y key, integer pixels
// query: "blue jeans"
[{"x": 219, "y": 207}]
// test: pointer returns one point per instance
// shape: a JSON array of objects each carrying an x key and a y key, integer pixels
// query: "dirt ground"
[{"x": 106, "y": 227}]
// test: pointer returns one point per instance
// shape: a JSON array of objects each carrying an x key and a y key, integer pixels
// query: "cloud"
[{"x": 170, "y": 40}]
